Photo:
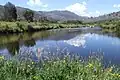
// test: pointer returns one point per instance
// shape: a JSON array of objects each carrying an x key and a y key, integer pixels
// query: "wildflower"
[
  {"x": 54, "y": 62},
  {"x": 8, "y": 63},
  {"x": 1, "y": 57},
  {"x": 38, "y": 50},
  {"x": 36, "y": 77},
  {"x": 110, "y": 70},
  {"x": 23, "y": 69},
  {"x": 32, "y": 62},
  {"x": 64, "y": 61},
  {"x": 28, "y": 65},
  {"x": 115, "y": 75},
  {"x": 90, "y": 65}
]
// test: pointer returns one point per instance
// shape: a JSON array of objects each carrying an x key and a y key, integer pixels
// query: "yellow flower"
[
  {"x": 32, "y": 62},
  {"x": 90, "y": 65},
  {"x": 28, "y": 65},
  {"x": 64, "y": 61},
  {"x": 115, "y": 75},
  {"x": 110, "y": 70},
  {"x": 36, "y": 77},
  {"x": 1, "y": 57}
]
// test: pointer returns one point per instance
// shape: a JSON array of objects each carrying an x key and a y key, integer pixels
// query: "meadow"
[{"x": 57, "y": 69}]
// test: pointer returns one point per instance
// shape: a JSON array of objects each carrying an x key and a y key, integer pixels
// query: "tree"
[
  {"x": 29, "y": 14},
  {"x": 10, "y": 12},
  {"x": 73, "y": 22},
  {"x": 43, "y": 19}
]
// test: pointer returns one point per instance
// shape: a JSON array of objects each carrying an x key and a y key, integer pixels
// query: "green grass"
[
  {"x": 110, "y": 25},
  {"x": 65, "y": 69},
  {"x": 22, "y": 26}
]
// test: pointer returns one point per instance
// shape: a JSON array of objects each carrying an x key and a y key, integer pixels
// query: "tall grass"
[{"x": 56, "y": 69}]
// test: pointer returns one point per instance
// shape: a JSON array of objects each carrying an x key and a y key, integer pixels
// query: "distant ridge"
[{"x": 61, "y": 15}]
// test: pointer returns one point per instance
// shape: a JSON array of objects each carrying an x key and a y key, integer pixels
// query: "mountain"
[
  {"x": 1, "y": 12},
  {"x": 110, "y": 16},
  {"x": 50, "y": 15},
  {"x": 21, "y": 10},
  {"x": 54, "y": 15},
  {"x": 61, "y": 15},
  {"x": 67, "y": 15}
]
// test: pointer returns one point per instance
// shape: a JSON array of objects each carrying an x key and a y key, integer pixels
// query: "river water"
[{"x": 60, "y": 42}]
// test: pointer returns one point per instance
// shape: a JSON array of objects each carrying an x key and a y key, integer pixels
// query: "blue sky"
[{"x": 80, "y": 7}]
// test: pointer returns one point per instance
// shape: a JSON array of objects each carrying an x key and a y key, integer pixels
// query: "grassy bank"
[
  {"x": 64, "y": 69},
  {"x": 22, "y": 26},
  {"x": 109, "y": 25}
]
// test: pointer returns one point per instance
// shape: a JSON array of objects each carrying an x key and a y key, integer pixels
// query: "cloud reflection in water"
[{"x": 79, "y": 40}]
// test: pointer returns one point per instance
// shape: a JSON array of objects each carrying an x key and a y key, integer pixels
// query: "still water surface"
[{"x": 57, "y": 43}]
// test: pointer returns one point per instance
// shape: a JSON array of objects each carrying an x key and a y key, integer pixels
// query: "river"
[{"x": 61, "y": 42}]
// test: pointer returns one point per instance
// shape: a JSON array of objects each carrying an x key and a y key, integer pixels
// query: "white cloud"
[
  {"x": 78, "y": 41},
  {"x": 45, "y": 5},
  {"x": 36, "y": 3},
  {"x": 116, "y": 5},
  {"x": 84, "y": 3},
  {"x": 97, "y": 12},
  {"x": 82, "y": 10},
  {"x": 78, "y": 8}
]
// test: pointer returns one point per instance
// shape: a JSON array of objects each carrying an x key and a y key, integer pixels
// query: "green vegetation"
[
  {"x": 56, "y": 69},
  {"x": 10, "y": 23},
  {"x": 111, "y": 25},
  {"x": 29, "y": 23},
  {"x": 13, "y": 25},
  {"x": 29, "y": 14},
  {"x": 23, "y": 26},
  {"x": 65, "y": 69}
]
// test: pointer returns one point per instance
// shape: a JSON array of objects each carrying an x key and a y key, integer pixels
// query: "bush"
[
  {"x": 20, "y": 26},
  {"x": 118, "y": 27}
]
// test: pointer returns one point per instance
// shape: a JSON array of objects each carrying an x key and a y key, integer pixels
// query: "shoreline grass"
[
  {"x": 22, "y": 26},
  {"x": 64, "y": 69}
]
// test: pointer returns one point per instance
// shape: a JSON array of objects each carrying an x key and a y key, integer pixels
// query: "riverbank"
[
  {"x": 108, "y": 25},
  {"x": 20, "y": 27},
  {"x": 64, "y": 69},
  {"x": 23, "y": 26}
]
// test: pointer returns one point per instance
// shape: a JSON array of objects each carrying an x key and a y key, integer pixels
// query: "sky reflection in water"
[{"x": 74, "y": 42}]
